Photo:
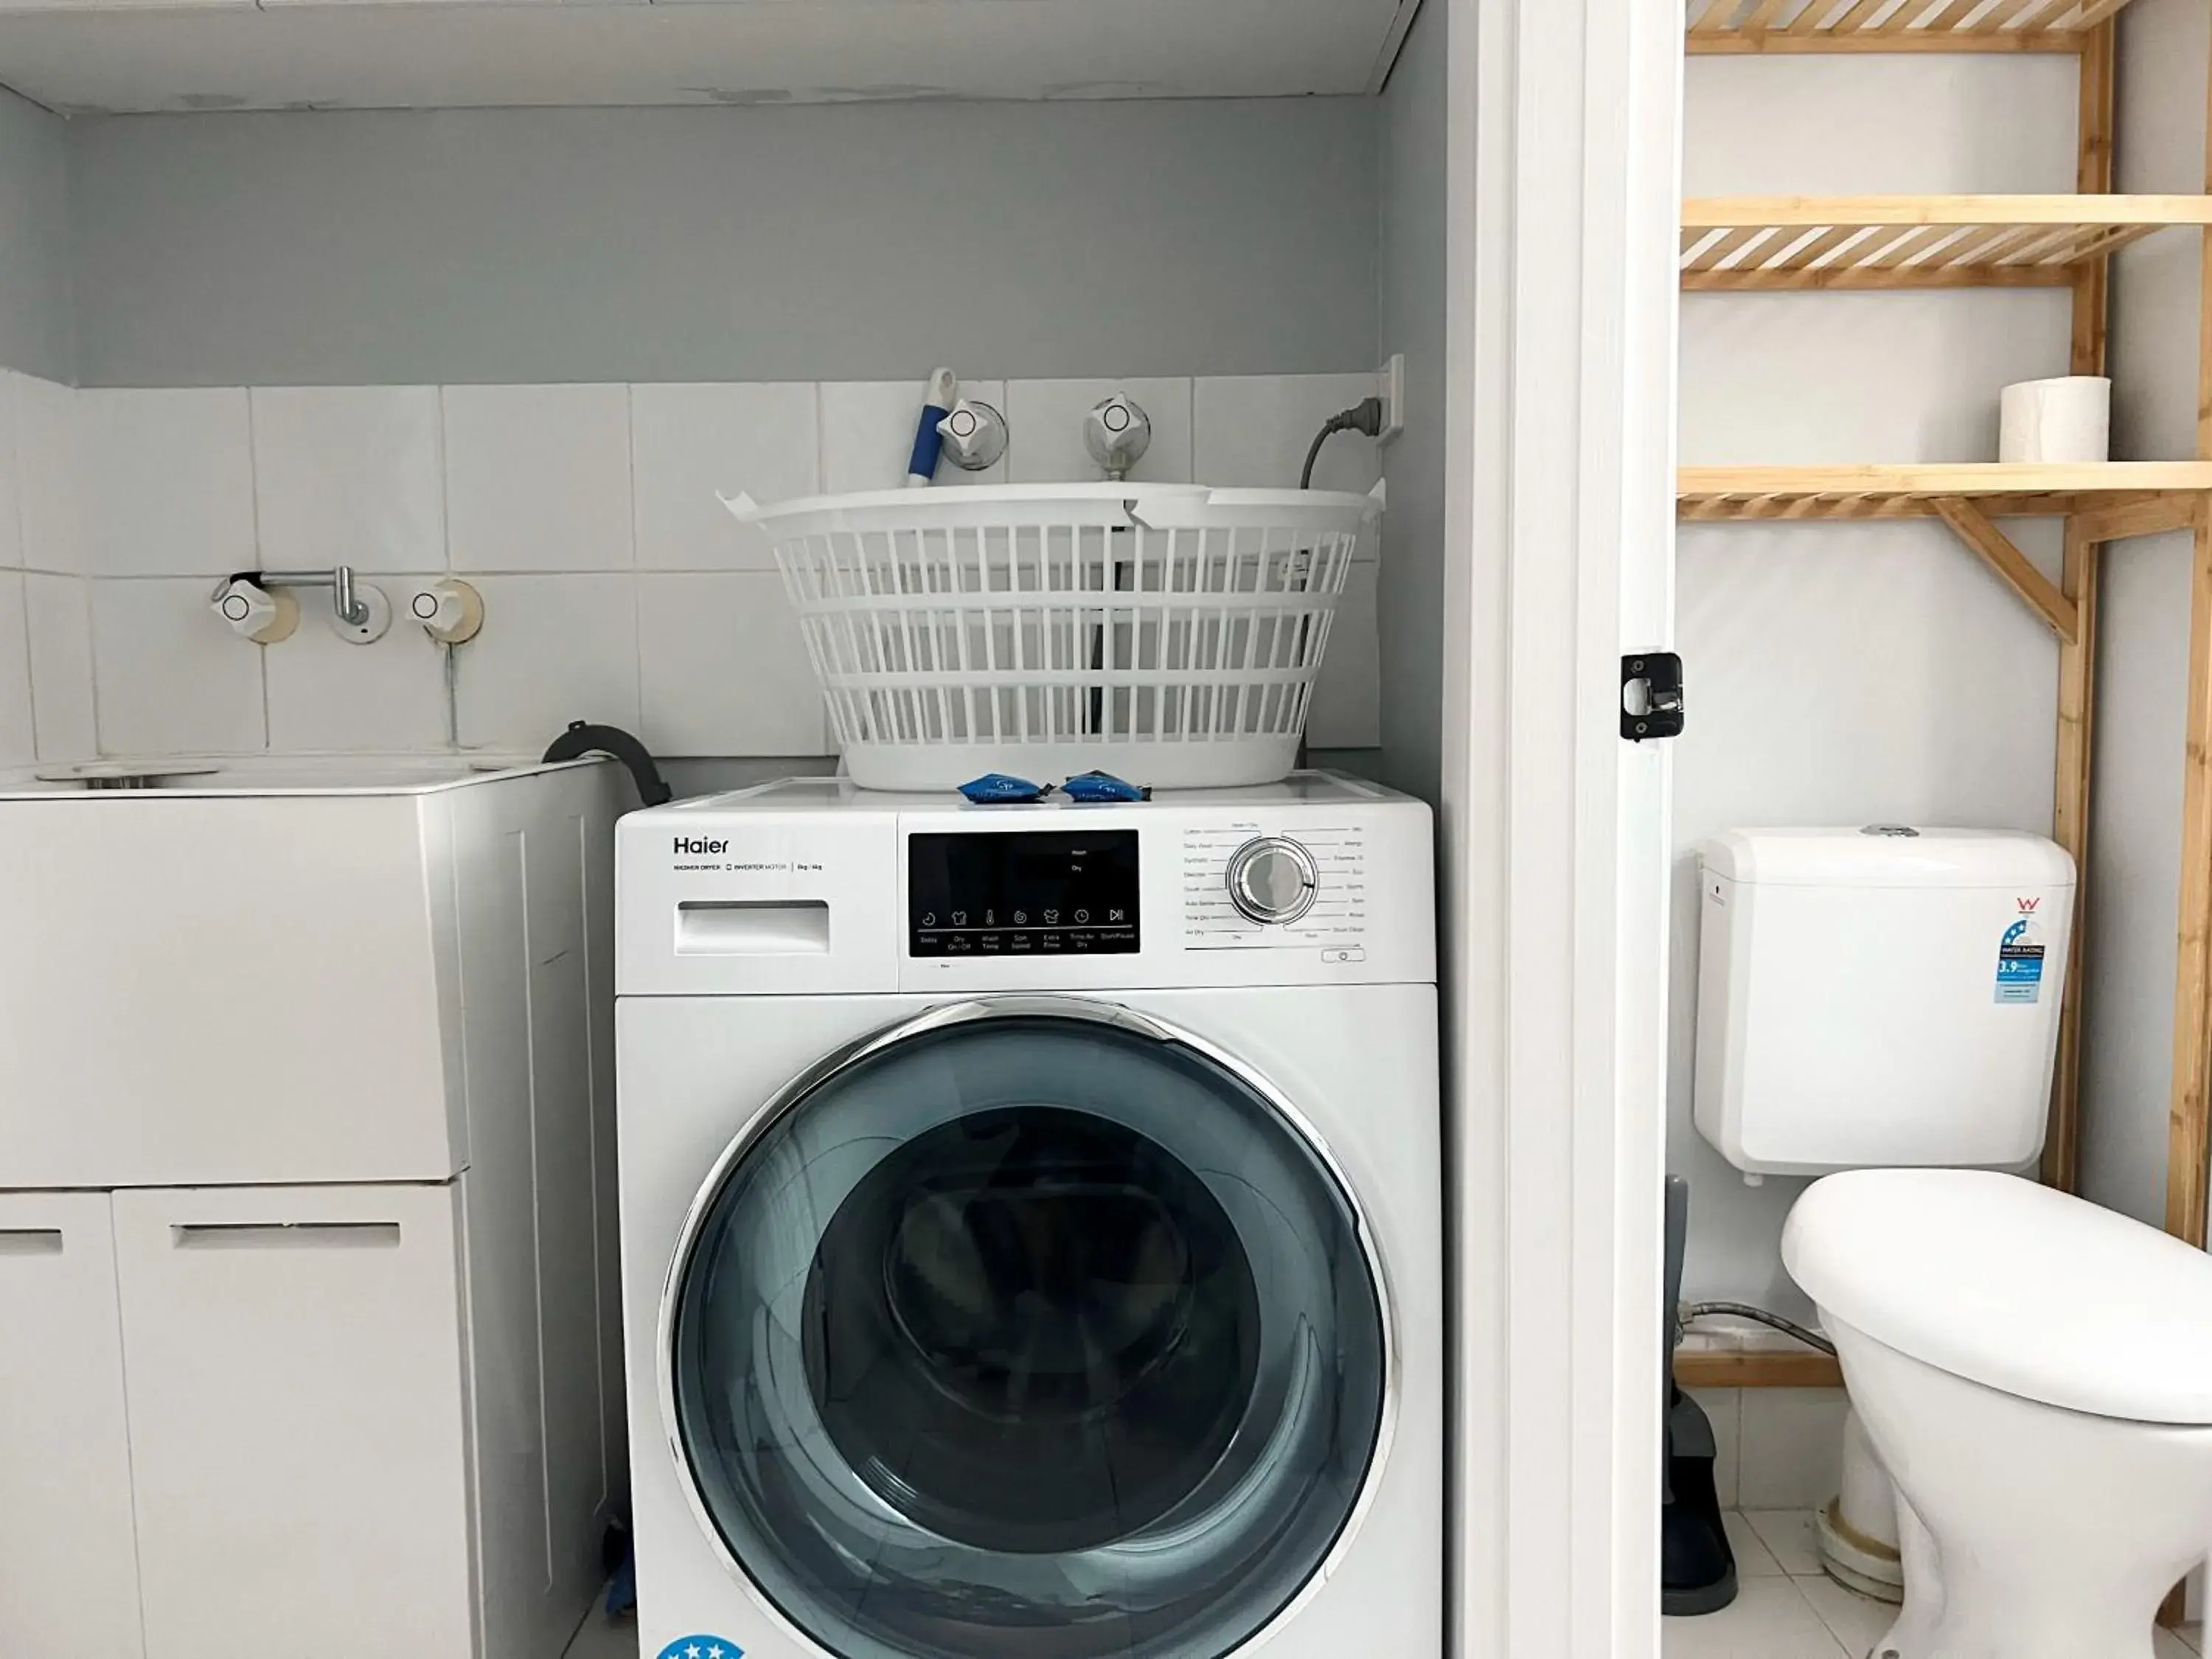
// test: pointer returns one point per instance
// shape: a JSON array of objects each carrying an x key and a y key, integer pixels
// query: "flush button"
[{"x": 1272, "y": 880}]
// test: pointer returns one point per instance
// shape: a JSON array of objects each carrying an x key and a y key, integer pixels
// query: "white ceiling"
[{"x": 428, "y": 54}]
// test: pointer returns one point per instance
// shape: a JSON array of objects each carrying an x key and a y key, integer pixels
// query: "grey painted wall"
[
  {"x": 36, "y": 331},
  {"x": 849, "y": 242},
  {"x": 1409, "y": 600},
  {"x": 2132, "y": 889}
]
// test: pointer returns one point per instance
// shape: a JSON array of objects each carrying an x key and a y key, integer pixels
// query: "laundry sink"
[{"x": 253, "y": 970}]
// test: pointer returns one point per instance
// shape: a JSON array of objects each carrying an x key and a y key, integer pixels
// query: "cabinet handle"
[
  {"x": 30, "y": 1241},
  {"x": 286, "y": 1235}
]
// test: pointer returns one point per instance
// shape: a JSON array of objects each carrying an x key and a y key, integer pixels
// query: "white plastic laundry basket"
[{"x": 1166, "y": 633}]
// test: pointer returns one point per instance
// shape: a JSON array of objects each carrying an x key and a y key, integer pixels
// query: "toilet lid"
[{"x": 2013, "y": 1285}]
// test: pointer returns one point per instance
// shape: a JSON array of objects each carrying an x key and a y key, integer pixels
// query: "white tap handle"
[
  {"x": 451, "y": 611},
  {"x": 253, "y": 613},
  {"x": 1117, "y": 432}
]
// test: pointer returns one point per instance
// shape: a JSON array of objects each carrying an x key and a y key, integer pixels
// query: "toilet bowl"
[{"x": 2036, "y": 1374}]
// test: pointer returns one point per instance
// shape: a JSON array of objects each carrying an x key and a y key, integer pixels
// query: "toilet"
[{"x": 1880, "y": 1008}]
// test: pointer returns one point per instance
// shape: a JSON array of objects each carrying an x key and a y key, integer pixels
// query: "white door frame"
[{"x": 1562, "y": 207}]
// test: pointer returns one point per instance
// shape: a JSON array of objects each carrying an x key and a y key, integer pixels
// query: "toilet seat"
[{"x": 2017, "y": 1286}]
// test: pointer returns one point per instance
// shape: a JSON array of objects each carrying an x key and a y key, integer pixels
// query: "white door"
[
  {"x": 297, "y": 1421},
  {"x": 69, "y": 1568},
  {"x": 1563, "y": 204}
]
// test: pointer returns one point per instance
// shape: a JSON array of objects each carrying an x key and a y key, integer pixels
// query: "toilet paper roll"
[{"x": 2069, "y": 419}]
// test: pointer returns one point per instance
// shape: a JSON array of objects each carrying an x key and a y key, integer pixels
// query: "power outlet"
[{"x": 1390, "y": 387}]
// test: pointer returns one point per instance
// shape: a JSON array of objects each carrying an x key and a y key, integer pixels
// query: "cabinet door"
[
  {"x": 297, "y": 1421},
  {"x": 69, "y": 1568}
]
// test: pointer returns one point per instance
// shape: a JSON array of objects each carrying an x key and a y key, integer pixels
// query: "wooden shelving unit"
[
  {"x": 2161, "y": 495},
  {"x": 1811, "y": 244},
  {"x": 1753, "y": 243},
  {"x": 1778, "y": 26}
]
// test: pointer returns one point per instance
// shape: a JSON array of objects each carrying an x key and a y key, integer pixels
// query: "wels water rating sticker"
[
  {"x": 2019, "y": 965},
  {"x": 702, "y": 1647}
]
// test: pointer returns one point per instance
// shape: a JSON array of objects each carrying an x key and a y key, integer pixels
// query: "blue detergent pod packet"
[
  {"x": 1103, "y": 786},
  {"x": 997, "y": 789}
]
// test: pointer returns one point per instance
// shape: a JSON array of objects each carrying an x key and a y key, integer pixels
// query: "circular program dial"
[{"x": 1273, "y": 881}]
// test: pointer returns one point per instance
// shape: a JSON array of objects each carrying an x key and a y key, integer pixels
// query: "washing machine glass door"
[{"x": 1034, "y": 1329}]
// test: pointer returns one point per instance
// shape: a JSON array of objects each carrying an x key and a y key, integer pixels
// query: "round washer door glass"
[{"x": 1027, "y": 1335}]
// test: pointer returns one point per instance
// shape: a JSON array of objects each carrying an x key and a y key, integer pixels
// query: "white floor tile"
[
  {"x": 1855, "y": 1620},
  {"x": 1791, "y": 1536},
  {"x": 1752, "y": 1558},
  {"x": 1770, "y": 1619},
  {"x": 2178, "y": 1643},
  {"x": 2191, "y": 1636},
  {"x": 602, "y": 1637}
]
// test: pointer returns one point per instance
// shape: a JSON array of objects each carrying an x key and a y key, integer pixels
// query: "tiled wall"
[
  {"x": 46, "y": 610},
  {"x": 616, "y": 588},
  {"x": 1779, "y": 1448}
]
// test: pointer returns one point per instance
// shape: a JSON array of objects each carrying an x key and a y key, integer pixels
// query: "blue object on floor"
[
  {"x": 997, "y": 789},
  {"x": 621, "y": 1588}
]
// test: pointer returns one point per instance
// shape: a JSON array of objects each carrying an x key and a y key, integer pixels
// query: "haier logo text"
[{"x": 687, "y": 844}]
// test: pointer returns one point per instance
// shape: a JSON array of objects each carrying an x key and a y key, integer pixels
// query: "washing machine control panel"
[{"x": 1041, "y": 893}]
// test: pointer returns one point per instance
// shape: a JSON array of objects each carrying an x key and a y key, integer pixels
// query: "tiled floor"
[
  {"x": 1787, "y": 1608},
  {"x": 602, "y": 1637}
]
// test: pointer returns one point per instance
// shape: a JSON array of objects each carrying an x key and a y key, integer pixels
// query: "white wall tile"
[
  {"x": 1791, "y": 1448},
  {"x": 171, "y": 678},
  {"x": 691, "y": 442},
  {"x": 1252, "y": 431},
  {"x": 554, "y": 649},
  {"x": 18, "y": 741},
  {"x": 868, "y": 428},
  {"x": 60, "y": 620},
  {"x": 168, "y": 481},
  {"x": 538, "y": 478},
  {"x": 349, "y": 475},
  {"x": 1046, "y": 418},
  {"x": 325, "y": 693},
  {"x": 1347, "y": 702},
  {"x": 724, "y": 668},
  {"x": 50, "y": 476},
  {"x": 11, "y": 513}
]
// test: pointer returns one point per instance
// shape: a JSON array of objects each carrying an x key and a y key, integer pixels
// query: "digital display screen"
[{"x": 1042, "y": 893}]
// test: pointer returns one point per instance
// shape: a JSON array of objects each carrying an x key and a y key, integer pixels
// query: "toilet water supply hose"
[{"x": 1811, "y": 1339}]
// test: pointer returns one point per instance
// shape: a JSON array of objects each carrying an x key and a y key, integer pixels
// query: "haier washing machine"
[{"x": 1031, "y": 1216}]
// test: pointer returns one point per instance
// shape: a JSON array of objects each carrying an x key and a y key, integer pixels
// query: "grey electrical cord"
[
  {"x": 1365, "y": 416},
  {"x": 1775, "y": 1320}
]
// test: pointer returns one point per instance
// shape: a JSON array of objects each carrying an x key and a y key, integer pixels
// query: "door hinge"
[{"x": 1651, "y": 696}]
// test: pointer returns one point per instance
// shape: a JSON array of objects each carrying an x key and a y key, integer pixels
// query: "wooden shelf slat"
[
  {"x": 1746, "y": 244},
  {"x": 1894, "y": 26},
  {"x": 2160, "y": 492},
  {"x": 1761, "y": 1368}
]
